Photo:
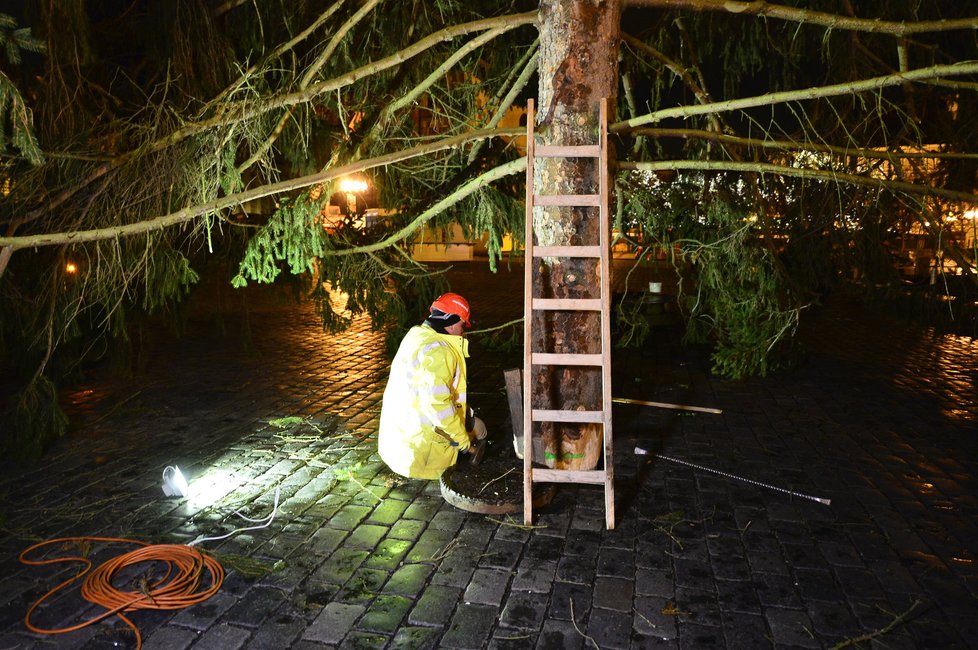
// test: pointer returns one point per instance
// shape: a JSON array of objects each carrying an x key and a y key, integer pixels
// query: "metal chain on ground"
[{"x": 641, "y": 452}]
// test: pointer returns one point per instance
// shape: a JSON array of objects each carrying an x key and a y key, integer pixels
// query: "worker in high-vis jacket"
[{"x": 423, "y": 416}]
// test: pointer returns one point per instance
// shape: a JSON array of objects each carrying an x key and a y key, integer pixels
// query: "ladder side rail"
[
  {"x": 605, "y": 235},
  {"x": 528, "y": 263}
]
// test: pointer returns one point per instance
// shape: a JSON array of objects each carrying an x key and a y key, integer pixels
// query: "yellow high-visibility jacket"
[{"x": 422, "y": 419}]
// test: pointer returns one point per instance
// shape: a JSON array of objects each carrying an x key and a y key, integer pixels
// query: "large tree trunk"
[{"x": 578, "y": 68}]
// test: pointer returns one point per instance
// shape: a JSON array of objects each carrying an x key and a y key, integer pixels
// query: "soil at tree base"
[{"x": 497, "y": 480}]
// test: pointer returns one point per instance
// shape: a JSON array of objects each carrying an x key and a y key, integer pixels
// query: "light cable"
[
  {"x": 264, "y": 522},
  {"x": 181, "y": 585}
]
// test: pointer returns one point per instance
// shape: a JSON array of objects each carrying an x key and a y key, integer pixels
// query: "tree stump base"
[{"x": 494, "y": 487}]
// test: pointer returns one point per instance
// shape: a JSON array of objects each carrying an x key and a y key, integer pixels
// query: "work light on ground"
[{"x": 174, "y": 483}]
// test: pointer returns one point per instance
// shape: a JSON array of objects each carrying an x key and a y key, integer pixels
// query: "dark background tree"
[{"x": 792, "y": 141}]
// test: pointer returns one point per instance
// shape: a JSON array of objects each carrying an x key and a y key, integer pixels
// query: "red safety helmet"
[{"x": 452, "y": 303}]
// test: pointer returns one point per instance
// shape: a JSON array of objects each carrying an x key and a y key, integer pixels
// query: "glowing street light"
[{"x": 353, "y": 186}]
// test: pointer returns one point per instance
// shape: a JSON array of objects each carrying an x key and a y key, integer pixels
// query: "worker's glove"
[{"x": 478, "y": 430}]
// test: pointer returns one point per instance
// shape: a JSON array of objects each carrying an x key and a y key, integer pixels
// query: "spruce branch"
[
  {"x": 211, "y": 207},
  {"x": 469, "y": 188},
  {"x": 528, "y": 66},
  {"x": 801, "y": 172},
  {"x": 816, "y": 92},
  {"x": 308, "y": 77},
  {"x": 246, "y": 76},
  {"x": 892, "y": 156},
  {"x": 245, "y": 110},
  {"x": 808, "y": 17}
]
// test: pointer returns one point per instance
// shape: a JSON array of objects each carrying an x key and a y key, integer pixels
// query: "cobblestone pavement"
[{"x": 879, "y": 418}]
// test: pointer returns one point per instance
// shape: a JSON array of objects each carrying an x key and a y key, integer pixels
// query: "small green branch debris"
[
  {"x": 667, "y": 522},
  {"x": 515, "y": 524},
  {"x": 442, "y": 554},
  {"x": 293, "y": 421},
  {"x": 345, "y": 474},
  {"x": 574, "y": 621},
  {"x": 500, "y": 477},
  {"x": 859, "y": 640},
  {"x": 246, "y": 566}
]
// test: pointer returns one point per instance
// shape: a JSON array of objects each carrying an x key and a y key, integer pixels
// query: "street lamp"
[{"x": 353, "y": 188}]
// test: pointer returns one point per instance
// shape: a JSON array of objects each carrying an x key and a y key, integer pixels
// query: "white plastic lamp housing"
[{"x": 174, "y": 483}]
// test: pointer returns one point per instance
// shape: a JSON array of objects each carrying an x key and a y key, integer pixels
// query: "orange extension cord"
[{"x": 185, "y": 565}]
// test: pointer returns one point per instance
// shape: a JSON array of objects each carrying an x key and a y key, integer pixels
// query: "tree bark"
[{"x": 578, "y": 68}]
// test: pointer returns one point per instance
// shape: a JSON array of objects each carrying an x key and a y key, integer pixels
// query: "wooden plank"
[
  {"x": 568, "y": 151},
  {"x": 564, "y": 359},
  {"x": 566, "y": 251},
  {"x": 550, "y": 415},
  {"x": 567, "y": 304},
  {"x": 593, "y": 476},
  {"x": 667, "y": 405},
  {"x": 514, "y": 395},
  {"x": 567, "y": 200}
]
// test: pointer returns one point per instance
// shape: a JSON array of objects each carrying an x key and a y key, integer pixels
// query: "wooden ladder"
[{"x": 602, "y": 304}]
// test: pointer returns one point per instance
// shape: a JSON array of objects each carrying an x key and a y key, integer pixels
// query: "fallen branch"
[
  {"x": 500, "y": 477},
  {"x": 574, "y": 621},
  {"x": 442, "y": 554},
  {"x": 514, "y": 524},
  {"x": 872, "y": 635}
]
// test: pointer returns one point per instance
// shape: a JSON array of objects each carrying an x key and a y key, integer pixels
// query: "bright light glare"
[
  {"x": 212, "y": 486},
  {"x": 971, "y": 214},
  {"x": 353, "y": 185},
  {"x": 70, "y": 267}
]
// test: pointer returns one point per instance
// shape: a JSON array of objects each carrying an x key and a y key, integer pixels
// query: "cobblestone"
[{"x": 879, "y": 417}]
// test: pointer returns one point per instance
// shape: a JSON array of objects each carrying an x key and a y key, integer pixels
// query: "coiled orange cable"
[{"x": 179, "y": 588}]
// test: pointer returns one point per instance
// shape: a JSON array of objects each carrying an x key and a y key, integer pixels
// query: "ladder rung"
[
  {"x": 567, "y": 304},
  {"x": 569, "y": 476},
  {"x": 567, "y": 200},
  {"x": 567, "y": 151},
  {"x": 566, "y": 251},
  {"x": 565, "y": 359},
  {"x": 547, "y": 415}
]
